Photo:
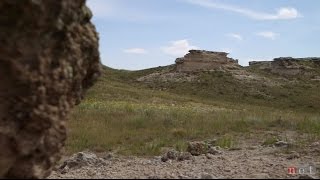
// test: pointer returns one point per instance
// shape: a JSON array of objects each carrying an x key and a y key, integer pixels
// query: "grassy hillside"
[{"x": 138, "y": 118}]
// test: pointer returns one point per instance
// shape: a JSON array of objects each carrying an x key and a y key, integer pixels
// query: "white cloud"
[
  {"x": 283, "y": 13},
  {"x": 135, "y": 51},
  {"x": 178, "y": 48},
  {"x": 268, "y": 34},
  {"x": 235, "y": 36},
  {"x": 227, "y": 50},
  {"x": 287, "y": 13}
]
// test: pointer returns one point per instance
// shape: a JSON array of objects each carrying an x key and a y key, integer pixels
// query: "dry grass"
[
  {"x": 143, "y": 129},
  {"x": 134, "y": 120}
]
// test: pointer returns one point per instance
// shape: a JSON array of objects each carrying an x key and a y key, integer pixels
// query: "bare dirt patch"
[{"x": 249, "y": 161}]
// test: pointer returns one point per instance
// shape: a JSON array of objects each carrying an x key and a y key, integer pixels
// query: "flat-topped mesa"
[
  {"x": 314, "y": 59},
  {"x": 201, "y": 60},
  {"x": 252, "y": 63},
  {"x": 288, "y": 65}
]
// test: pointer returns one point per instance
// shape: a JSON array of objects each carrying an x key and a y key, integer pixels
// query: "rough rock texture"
[
  {"x": 79, "y": 160},
  {"x": 199, "y": 60},
  {"x": 255, "y": 162},
  {"x": 48, "y": 58},
  {"x": 288, "y": 66},
  {"x": 197, "y": 148},
  {"x": 174, "y": 155}
]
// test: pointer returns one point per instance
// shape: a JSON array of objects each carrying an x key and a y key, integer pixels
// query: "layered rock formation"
[
  {"x": 48, "y": 58},
  {"x": 288, "y": 66},
  {"x": 199, "y": 60}
]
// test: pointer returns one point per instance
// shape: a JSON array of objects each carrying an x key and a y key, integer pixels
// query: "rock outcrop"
[
  {"x": 79, "y": 160},
  {"x": 200, "y": 60},
  {"x": 288, "y": 66},
  {"x": 48, "y": 58}
]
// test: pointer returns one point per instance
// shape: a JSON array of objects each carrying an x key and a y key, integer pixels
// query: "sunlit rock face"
[{"x": 199, "y": 60}]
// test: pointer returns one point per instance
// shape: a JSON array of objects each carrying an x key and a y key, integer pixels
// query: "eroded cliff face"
[
  {"x": 200, "y": 60},
  {"x": 288, "y": 66},
  {"x": 48, "y": 58}
]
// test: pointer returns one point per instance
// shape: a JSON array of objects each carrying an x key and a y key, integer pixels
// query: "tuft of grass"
[
  {"x": 179, "y": 133},
  {"x": 270, "y": 141},
  {"x": 226, "y": 142}
]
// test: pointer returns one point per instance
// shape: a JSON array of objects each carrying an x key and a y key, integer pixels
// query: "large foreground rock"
[{"x": 48, "y": 58}]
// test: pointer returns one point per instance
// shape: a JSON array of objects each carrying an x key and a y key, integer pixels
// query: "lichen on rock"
[{"x": 48, "y": 58}]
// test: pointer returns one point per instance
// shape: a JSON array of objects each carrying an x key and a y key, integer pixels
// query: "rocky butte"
[
  {"x": 288, "y": 66},
  {"x": 200, "y": 60}
]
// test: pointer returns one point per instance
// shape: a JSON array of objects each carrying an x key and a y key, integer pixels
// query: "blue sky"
[{"x": 139, "y": 34}]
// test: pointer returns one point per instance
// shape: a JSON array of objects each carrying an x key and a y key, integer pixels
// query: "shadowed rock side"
[{"x": 48, "y": 58}]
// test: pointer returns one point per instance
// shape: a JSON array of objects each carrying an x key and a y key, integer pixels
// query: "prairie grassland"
[{"x": 132, "y": 120}]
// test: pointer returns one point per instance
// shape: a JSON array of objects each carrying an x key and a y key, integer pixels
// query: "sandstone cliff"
[
  {"x": 288, "y": 66},
  {"x": 48, "y": 58},
  {"x": 199, "y": 60}
]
